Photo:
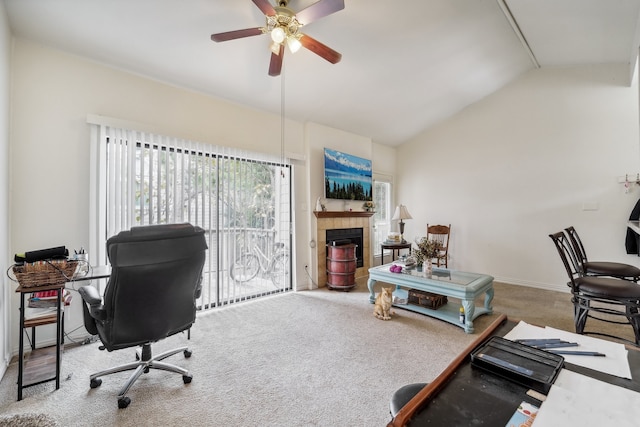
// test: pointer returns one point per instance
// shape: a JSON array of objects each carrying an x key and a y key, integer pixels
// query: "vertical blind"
[{"x": 238, "y": 197}]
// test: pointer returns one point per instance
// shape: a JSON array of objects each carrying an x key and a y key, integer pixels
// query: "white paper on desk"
[
  {"x": 615, "y": 362},
  {"x": 578, "y": 400}
]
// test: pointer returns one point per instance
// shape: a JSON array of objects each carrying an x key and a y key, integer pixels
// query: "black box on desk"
[
  {"x": 529, "y": 366},
  {"x": 426, "y": 299}
]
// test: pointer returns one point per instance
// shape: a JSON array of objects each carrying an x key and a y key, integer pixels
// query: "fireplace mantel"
[{"x": 342, "y": 214}]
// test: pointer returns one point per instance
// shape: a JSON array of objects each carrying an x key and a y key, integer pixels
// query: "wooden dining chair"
[{"x": 441, "y": 234}]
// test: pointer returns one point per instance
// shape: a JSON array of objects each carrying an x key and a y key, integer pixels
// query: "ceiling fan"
[{"x": 283, "y": 25}]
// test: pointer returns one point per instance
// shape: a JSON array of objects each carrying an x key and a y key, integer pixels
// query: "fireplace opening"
[{"x": 348, "y": 235}]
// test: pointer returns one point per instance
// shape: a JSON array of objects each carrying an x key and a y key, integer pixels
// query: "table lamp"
[{"x": 401, "y": 214}]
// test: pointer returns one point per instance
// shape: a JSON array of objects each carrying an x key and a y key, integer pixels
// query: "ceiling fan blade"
[
  {"x": 265, "y": 7},
  {"x": 320, "y": 49},
  {"x": 319, "y": 10},
  {"x": 275, "y": 66},
  {"x": 237, "y": 34}
]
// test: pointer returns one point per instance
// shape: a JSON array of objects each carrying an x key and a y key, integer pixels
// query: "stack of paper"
[
  {"x": 615, "y": 362},
  {"x": 581, "y": 401}
]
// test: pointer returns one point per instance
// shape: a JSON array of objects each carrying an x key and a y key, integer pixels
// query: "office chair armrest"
[
  {"x": 91, "y": 296},
  {"x": 198, "y": 292}
]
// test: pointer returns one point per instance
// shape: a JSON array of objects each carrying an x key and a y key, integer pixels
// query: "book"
[
  {"x": 524, "y": 415},
  {"x": 37, "y": 313},
  {"x": 45, "y": 299}
]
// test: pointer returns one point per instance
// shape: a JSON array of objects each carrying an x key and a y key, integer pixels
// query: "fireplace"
[
  {"x": 348, "y": 235},
  {"x": 340, "y": 220}
]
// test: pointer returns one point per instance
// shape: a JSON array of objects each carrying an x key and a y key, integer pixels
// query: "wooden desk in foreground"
[{"x": 463, "y": 395}]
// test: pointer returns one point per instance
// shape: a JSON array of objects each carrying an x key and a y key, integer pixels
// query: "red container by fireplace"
[{"x": 341, "y": 266}]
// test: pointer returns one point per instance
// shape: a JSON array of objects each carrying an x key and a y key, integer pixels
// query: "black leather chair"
[
  {"x": 601, "y": 298},
  {"x": 600, "y": 268},
  {"x": 156, "y": 274}
]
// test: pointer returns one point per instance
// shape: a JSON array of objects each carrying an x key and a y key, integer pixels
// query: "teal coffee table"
[{"x": 466, "y": 287}]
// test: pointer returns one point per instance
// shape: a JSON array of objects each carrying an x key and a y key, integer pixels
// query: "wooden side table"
[{"x": 394, "y": 247}]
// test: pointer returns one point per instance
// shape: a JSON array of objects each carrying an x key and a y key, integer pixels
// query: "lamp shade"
[
  {"x": 278, "y": 35},
  {"x": 401, "y": 213},
  {"x": 293, "y": 44}
]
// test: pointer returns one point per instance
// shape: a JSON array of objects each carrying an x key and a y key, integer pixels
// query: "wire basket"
[{"x": 43, "y": 273}]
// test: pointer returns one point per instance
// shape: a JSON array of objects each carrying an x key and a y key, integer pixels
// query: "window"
[
  {"x": 384, "y": 212},
  {"x": 242, "y": 200}
]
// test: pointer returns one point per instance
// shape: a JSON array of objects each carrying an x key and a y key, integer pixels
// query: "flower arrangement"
[
  {"x": 427, "y": 249},
  {"x": 368, "y": 205}
]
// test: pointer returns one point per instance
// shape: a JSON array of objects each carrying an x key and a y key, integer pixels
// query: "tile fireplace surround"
[{"x": 328, "y": 220}]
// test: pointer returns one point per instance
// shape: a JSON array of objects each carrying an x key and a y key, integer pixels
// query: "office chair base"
[{"x": 145, "y": 362}]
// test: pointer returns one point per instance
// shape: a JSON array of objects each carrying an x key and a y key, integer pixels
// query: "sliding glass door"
[{"x": 241, "y": 199}]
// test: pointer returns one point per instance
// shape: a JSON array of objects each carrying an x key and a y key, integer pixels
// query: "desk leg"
[
  {"x": 21, "y": 349},
  {"x": 488, "y": 297},
  {"x": 469, "y": 311},
  {"x": 372, "y": 294},
  {"x": 59, "y": 337}
]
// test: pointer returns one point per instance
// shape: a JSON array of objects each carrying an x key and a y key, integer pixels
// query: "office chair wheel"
[
  {"x": 123, "y": 402},
  {"x": 95, "y": 383},
  {"x": 187, "y": 353},
  {"x": 187, "y": 378},
  {"x": 146, "y": 370}
]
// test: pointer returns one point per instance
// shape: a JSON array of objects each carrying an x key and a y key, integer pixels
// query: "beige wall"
[
  {"x": 5, "y": 167},
  {"x": 525, "y": 162}
]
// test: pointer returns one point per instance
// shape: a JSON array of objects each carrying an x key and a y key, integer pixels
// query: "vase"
[{"x": 419, "y": 267}]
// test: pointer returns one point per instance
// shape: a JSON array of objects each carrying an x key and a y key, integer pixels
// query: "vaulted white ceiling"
[{"x": 406, "y": 65}]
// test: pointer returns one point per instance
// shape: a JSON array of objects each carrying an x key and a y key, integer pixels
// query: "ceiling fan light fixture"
[
  {"x": 278, "y": 35},
  {"x": 283, "y": 27}
]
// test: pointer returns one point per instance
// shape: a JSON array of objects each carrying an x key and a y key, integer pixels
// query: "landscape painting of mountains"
[{"x": 346, "y": 176}]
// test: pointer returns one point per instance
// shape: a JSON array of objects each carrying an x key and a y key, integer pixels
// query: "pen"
[
  {"x": 539, "y": 340},
  {"x": 555, "y": 344},
  {"x": 578, "y": 353}
]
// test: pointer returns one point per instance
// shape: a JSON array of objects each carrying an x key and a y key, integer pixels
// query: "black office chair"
[
  {"x": 156, "y": 274},
  {"x": 402, "y": 396},
  {"x": 600, "y": 268},
  {"x": 597, "y": 297}
]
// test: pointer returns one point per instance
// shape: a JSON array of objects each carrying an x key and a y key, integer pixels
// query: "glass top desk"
[
  {"x": 94, "y": 272},
  {"x": 451, "y": 283},
  {"x": 463, "y": 395}
]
